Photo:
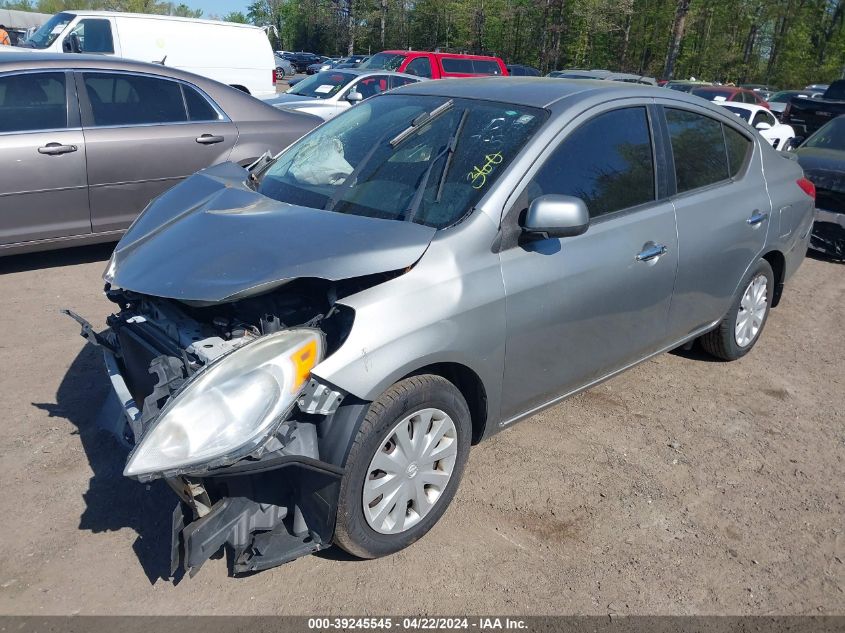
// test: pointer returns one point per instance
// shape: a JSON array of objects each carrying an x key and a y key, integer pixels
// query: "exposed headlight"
[
  {"x": 111, "y": 270},
  {"x": 230, "y": 407}
]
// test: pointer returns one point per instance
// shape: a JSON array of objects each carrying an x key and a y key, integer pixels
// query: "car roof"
[
  {"x": 537, "y": 92},
  {"x": 368, "y": 71},
  {"x": 438, "y": 54},
  {"x": 733, "y": 89},
  {"x": 151, "y": 16},
  {"x": 751, "y": 107},
  {"x": 26, "y": 60}
]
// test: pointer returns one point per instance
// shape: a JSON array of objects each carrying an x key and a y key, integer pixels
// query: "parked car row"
[{"x": 328, "y": 93}]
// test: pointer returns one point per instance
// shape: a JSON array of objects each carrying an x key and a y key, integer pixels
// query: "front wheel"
[
  {"x": 404, "y": 466},
  {"x": 741, "y": 327}
]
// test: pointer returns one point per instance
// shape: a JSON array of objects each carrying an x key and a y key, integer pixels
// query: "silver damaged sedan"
[{"x": 306, "y": 350}]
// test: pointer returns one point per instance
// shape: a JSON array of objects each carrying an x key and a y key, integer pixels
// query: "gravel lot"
[{"x": 684, "y": 486}]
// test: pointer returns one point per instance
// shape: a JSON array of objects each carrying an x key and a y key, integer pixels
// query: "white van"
[{"x": 236, "y": 54}]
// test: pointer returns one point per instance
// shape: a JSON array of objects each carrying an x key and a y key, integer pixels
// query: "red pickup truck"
[{"x": 436, "y": 65}]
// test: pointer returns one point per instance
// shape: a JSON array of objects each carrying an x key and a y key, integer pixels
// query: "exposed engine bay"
[{"x": 276, "y": 502}]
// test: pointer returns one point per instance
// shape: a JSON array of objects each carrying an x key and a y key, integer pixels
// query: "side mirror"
[
  {"x": 71, "y": 44},
  {"x": 762, "y": 125},
  {"x": 354, "y": 97},
  {"x": 556, "y": 216}
]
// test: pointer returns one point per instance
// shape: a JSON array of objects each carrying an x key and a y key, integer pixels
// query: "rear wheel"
[
  {"x": 404, "y": 466},
  {"x": 741, "y": 327}
]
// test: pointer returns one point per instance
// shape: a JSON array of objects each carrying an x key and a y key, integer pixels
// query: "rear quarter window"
[{"x": 739, "y": 150}]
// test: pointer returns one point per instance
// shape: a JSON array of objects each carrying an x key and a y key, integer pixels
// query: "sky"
[{"x": 217, "y": 7}]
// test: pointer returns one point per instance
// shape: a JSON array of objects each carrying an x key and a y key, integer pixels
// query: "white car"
[
  {"x": 762, "y": 120},
  {"x": 327, "y": 94}
]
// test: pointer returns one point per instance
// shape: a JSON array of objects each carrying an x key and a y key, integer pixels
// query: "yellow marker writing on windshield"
[{"x": 478, "y": 175}]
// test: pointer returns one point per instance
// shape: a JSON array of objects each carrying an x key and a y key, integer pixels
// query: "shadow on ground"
[
  {"x": 57, "y": 258},
  {"x": 112, "y": 502}
]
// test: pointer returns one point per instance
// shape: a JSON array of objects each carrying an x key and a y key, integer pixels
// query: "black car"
[
  {"x": 301, "y": 61},
  {"x": 519, "y": 70},
  {"x": 823, "y": 158},
  {"x": 351, "y": 62}
]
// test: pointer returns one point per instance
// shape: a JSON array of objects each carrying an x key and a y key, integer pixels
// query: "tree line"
[
  {"x": 777, "y": 42},
  {"x": 786, "y": 43}
]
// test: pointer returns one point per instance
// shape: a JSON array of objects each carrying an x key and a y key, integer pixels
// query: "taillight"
[
  {"x": 274, "y": 76},
  {"x": 807, "y": 187}
]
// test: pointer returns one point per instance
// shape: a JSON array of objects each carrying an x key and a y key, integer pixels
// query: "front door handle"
[
  {"x": 209, "y": 139},
  {"x": 757, "y": 218},
  {"x": 54, "y": 149},
  {"x": 651, "y": 252}
]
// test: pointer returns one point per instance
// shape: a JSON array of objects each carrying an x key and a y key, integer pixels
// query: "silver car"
[
  {"x": 87, "y": 141},
  {"x": 328, "y": 93},
  {"x": 416, "y": 275}
]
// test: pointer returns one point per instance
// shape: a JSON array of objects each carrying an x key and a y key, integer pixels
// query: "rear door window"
[
  {"x": 398, "y": 80},
  {"x": 698, "y": 147},
  {"x": 607, "y": 162},
  {"x": 124, "y": 99},
  {"x": 457, "y": 65},
  {"x": 33, "y": 101}
]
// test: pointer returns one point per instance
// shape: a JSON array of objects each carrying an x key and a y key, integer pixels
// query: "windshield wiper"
[
  {"x": 422, "y": 120},
  {"x": 448, "y": 151}
]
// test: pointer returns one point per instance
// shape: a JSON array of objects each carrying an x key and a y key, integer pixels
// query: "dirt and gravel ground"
[{"x": 684, "y": 486}]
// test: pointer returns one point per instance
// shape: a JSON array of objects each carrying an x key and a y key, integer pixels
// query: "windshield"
[
  {"x": 384, "y": 61},
  {"x": 414, "y": 158},
  {"x": 49, "y": 31},
  {"x": 681, "y": 87},
  {"x": 829, "y": 136},
  {"x": 740, "y": 112},
  {"x": 322, "y": 85},
  {"x": 784, "y": 96}
]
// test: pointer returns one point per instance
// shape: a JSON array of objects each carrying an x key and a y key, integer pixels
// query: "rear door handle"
[
  {"x": 54, "y": 149},
  {"x": 757, "y": 218},
  {"x": 209, "y": 139},
  {"x": 652, "y": 252}
]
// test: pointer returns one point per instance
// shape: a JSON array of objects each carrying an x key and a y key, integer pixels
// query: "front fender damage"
[
  {"x": 274, "y": 505},
  {"x": 267, "y": 510}
]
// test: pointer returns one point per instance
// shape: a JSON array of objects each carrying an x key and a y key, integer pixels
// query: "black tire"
[
  {"x": 352, "y": 531},
  {"x": 721, "y": 342}
]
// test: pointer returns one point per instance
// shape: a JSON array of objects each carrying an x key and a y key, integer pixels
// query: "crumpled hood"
[{"x": 212, "y": 239}]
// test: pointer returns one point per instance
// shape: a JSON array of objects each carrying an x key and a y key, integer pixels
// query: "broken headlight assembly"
[{"x": 229, "y": 408}]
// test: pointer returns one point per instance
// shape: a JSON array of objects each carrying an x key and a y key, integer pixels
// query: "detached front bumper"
[
  {"x": 268, "y": 510},
  {"x": 828, "y": 235}
]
